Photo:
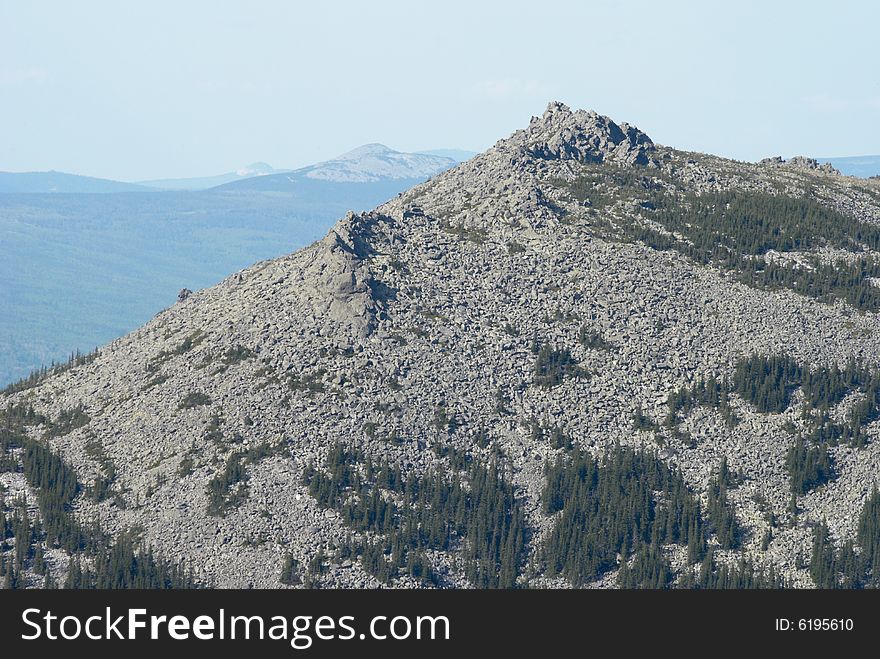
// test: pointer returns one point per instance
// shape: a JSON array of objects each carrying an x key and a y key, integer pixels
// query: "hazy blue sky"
[{"x": 134, "y": 90}]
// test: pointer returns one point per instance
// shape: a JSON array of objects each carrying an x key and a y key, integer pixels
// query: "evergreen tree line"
[
  {"x": 719, "y": 510},
  {"x": 729, "y": 229},
  {"x": 742, "y": 575},
  {"x": 854, "y": 565},
  {"x": 127, "y": 564},
  {"x": 809, "y": 465},
  {"x": 622, "y": 509},
  {"x": 768, "y": 382},
  {"x": 228, "y": 489},
  {"x": 20, "y": 546},
  {"x": 38, "y": 375},
  {"x": 651, "y": 569},
  {"x": 472, "y": 511},
  {"x": 608, "y": 511},
  {"x": 99, "y": 563},
  {"x": 96, "y": 559}
]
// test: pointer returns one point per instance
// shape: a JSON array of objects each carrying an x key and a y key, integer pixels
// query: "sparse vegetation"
[
  {"x": 39, "y": 375},
  {"x": 236, "y": 355},
  {"x": 191, "y": 341},
  {"x": 310, "y": 383},
  {"x": 472, "y": 234},
  {"x": 68, "y": 421},
  {"x": 591, "y": 338},
  {"x": 229, "y": 488},
  {"x": 553, "y": 365},
  {"x": 194, "y": 399}
]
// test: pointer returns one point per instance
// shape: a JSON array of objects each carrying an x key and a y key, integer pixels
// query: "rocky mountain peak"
[
  {"x": 799, "y": 162},
  {"x": 583, "y": 135},
  {"x": 374, "y": 162},
  {"x": 367, "y": 150}
]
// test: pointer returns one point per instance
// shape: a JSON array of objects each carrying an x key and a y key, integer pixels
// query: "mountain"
[
  {"x": 205, "y": 182},
  {"x": 862, "y": 166},
  {"x": 578, "y": 359},
  {"x": 370, "y": 163},
  {"x": 30, "y": 182}
]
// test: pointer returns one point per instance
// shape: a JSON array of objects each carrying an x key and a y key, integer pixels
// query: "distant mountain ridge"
[
  {"x": 459, "y": 155},
  {"x": 81, "y": 269},
  {"x": 206, "y": 182},
  {"x": 52, "y": 181},
  {"x": 861, "y": 166},
  {"x": 369, "y": 163}
]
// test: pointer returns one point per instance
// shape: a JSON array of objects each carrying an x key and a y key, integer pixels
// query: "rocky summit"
[{"x": 578, "y": 359}]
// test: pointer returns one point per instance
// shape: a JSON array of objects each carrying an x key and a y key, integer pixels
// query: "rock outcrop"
[
  {"x": 583, "y": 136},
  {"x": 800, "y": 162}
]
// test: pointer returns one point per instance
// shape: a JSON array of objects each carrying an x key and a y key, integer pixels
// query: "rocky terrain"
[{"x": 416, "y": 331}]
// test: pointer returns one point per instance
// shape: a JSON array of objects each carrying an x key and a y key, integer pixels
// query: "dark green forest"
[
  {"x": 855, "y": 564},
  {"x": 97, "y": 560},
  {"x": 468, "y": 508},
  {"x": 609, "y": 512},
  {"x": 734, "y": 230},
  {"x": 768, "y": 384}
]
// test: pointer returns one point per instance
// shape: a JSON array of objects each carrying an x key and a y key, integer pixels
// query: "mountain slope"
[
  {"x": 30, "y": 182},
  {"x": 412, "y": 398}
]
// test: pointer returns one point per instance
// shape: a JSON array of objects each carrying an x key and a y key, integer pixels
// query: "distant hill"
[
  {"x": 28, "y": 182},
  {"x": 205, "y": 182},
  {"x": 371, "y": 163},
  {"x": 368, "y": 163},
  {"x": 862, "y": 166}
]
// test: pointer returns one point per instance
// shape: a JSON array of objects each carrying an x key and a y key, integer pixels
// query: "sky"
[{"x": 140, "y": 90}]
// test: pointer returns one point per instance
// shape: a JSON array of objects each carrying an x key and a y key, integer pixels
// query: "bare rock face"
[
  {"x": 583, "y": 136},
  {"x": 800, "y": 162},
  {"x": 338, "y": 280}
]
